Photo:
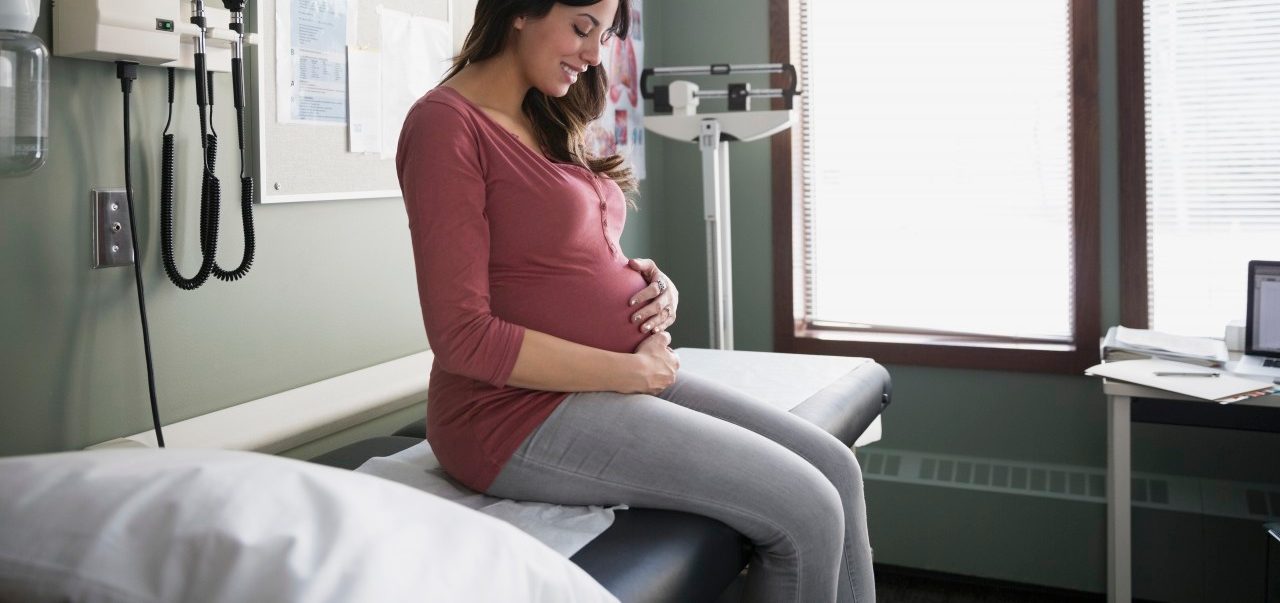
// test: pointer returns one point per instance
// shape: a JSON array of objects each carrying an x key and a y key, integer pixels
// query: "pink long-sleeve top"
[{"x": 504, "y": 239}]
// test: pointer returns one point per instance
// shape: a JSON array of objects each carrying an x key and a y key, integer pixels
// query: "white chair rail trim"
[{"x": 295, "y": 417}]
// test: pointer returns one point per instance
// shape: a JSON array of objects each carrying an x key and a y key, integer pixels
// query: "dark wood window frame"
[
  {"x": 793, "y": 334},
  {"x": 1132, "y": 117}
]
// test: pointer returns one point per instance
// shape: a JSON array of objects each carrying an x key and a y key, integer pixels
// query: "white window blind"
[
  {"x": 937, "y": 166},
  {"x": 1212, "y": 71}
]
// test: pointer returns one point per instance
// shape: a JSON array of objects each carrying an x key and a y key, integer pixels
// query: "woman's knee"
[
  {"x": 813, "y": 519},
  {"x": 839, "y": 464}
]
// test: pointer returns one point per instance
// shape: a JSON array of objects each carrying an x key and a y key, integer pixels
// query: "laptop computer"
[{"x": 1262, "y": 321}]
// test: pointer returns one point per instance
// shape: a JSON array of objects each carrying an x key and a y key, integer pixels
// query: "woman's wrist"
[{"x": 622, "y": 371}]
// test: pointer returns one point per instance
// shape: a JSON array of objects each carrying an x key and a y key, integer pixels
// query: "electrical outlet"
[{"x": 112, "y": 237}]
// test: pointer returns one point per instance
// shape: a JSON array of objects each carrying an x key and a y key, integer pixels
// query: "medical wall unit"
[
  {"x": 675, "y": 115},
  {"x": 24, "y": 89},
  {"x": 148, "y": 32},
  {"x": 173, "y": 34}
]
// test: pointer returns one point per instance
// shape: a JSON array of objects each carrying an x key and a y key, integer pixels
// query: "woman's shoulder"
[
  {"x": 436, "y": 122},
  {"x": 440, "y": 108}
]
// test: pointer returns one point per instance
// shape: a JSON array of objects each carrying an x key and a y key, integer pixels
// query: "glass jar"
[{"x": 24, "y": 102}]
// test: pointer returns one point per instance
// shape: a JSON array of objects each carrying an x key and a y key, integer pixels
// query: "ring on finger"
[{"x": 662, "y": 286}]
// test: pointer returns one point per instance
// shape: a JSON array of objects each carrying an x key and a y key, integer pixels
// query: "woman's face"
[{"x": 554, "y": 50}]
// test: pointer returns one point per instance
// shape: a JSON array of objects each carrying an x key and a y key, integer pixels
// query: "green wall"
[
  {"x": 332, "y": 289},
  {"x": 1024, "y": 417}
]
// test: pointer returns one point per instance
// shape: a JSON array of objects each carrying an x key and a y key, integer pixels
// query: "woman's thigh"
[
  {"x": 810, "y": 442},
  {"x": 608, "y": 448}
]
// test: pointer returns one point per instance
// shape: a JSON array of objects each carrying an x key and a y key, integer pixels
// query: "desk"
[{"x": 1128, "y": 402}]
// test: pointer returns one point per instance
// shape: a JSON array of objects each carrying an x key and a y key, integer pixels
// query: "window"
[
  {"x": 941, "y": 205},
  {"x": 1200, "y": 158}
]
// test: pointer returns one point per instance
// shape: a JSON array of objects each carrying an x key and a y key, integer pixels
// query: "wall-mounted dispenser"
[
  {"x": 24, "y": 89},
  {"x": 148, "y": 32}
]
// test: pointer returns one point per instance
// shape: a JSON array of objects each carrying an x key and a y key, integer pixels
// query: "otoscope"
[{"x": 246, "y": 182}]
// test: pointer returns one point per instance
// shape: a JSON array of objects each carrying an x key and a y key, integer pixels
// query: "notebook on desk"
[
  {"x": 1262, "y": 322},
  {"x": 1182, "y": 378}
]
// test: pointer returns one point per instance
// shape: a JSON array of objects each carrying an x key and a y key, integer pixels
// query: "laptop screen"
[{"x": 1263, "y": 336}]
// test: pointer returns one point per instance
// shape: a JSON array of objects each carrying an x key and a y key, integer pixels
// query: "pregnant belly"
[{"x": 586, "y": 306}]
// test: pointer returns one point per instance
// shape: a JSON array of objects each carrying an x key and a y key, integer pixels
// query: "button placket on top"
[{"x": 604, "y": 210}]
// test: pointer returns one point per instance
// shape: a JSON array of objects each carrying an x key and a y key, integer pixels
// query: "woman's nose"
[{"x": 591, "y": 52}]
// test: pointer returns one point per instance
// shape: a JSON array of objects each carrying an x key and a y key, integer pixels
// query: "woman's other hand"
[
  {"x": 658, "y": 365},
  {"x": 656, "y": 304}
]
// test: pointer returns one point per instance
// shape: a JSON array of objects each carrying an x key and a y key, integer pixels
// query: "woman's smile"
[{"x": 571, "y": 72}]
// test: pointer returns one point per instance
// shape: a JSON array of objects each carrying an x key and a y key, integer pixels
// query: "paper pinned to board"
[
  {"x": 310, "y": 63},
  {"x": 416, "y": 52},
  {"x": 1224, "y": 388},
  {"x": 364, "y": 111}
]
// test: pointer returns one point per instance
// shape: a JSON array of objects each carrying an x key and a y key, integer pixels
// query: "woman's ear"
[{"x": 519, "y": 23}]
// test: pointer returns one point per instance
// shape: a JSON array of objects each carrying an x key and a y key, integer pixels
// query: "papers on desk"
[
  {"x": 1191, "y": 380},
  {"x": 1123, "y": 343}
]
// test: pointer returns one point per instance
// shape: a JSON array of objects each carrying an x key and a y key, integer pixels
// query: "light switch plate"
[{"x": 112, "y": 237}]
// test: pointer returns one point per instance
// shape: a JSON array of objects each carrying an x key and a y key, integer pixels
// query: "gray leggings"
[{"x": 791, "y": 488}]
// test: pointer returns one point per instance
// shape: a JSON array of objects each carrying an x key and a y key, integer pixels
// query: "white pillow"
[{"x": 204, "y": 525}]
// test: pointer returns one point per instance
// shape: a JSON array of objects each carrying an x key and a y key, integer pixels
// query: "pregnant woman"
[{"x": 553, "y": 380}]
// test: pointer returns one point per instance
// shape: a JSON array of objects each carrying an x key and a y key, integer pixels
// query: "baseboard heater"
[
  {"x": 304, "y": 414},
  {"x": 1165, "y": 492}
]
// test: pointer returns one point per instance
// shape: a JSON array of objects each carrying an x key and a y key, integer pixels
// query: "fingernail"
[
  {"x": 635, "y": 318},
  {"x": 632, "y": 303},
  {"x": 647, "y": 327}
]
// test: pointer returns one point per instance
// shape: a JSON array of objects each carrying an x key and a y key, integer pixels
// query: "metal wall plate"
[{"x": 112, "y": 237}]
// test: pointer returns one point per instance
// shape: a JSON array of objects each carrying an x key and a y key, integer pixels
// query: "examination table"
[{"x": 654, "y": 555}]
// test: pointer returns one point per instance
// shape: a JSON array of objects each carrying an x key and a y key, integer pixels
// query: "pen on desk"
[{"x": 1176, "y": 374}]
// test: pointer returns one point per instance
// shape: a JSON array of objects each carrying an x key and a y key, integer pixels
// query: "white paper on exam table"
[
  {"x": 564, "y": 528},
  {"x": 1223, "y": 389}
]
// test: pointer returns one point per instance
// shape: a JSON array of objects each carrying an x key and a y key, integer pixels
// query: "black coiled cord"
[
  {"x": 208, "y": 211},
  {"x": 246, "y": 193},
  {"x": 246, "y": 215},
  {"x": 246, "y": 182},
  {"x": 210, "y": 186},
  {"x": 211, "y": 189},
  {"x": 210, "y": 202}
]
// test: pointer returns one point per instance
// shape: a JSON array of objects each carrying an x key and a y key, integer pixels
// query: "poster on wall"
[
  {"x": 311, "y": 60},
  {"x": 620, "y": 128}
]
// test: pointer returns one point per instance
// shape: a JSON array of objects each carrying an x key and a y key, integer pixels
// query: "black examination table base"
[{"x": 654, "y": 555}]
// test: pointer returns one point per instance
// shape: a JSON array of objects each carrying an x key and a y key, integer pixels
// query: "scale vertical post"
[
  {"x": 713, "y": 197},
  {"x": 726, "y": 253}
]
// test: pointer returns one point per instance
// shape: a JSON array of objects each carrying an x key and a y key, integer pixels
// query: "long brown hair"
[{"x": 559, "y": 123}]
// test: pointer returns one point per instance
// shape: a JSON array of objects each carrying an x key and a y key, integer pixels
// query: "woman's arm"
[{"x": 553, "y": 364}]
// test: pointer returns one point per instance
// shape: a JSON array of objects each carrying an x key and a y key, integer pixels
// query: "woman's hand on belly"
[
  {"x": 657, "y": 302},
  {"x": 657, "y": 364}
]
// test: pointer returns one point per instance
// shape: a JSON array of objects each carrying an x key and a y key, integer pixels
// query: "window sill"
[{"x": 943, "y": 351}]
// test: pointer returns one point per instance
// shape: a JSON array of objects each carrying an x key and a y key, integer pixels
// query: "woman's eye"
[{"x": 581, "y": 34}]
